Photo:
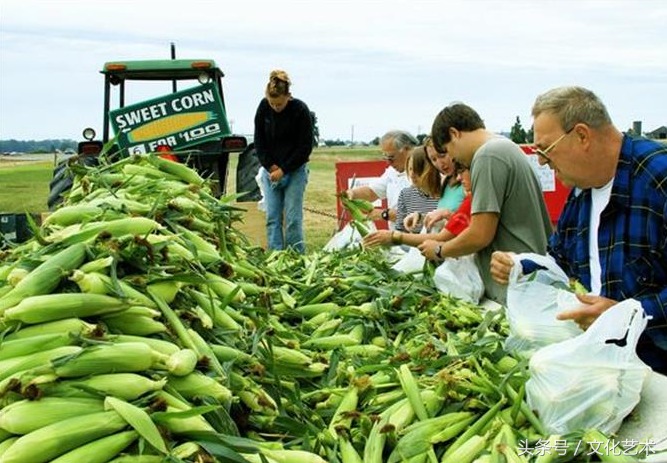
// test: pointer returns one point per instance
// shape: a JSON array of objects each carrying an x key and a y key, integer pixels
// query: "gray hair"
[
  {"x": 400, "y": 139},
  {"x": 571, "y": 106}
]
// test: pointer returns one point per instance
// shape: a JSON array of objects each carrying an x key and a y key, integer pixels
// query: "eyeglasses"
[{"x": 545, "y": 152}]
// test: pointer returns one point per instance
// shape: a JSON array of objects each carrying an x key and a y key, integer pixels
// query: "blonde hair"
[
  {"x": 427, "y": 177},
  {"x": 279, "y": 84}
]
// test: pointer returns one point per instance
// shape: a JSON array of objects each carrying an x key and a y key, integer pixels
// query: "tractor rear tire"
[
  {"x": 62, "y": 181},
  {"x": 246, "y": 171}
]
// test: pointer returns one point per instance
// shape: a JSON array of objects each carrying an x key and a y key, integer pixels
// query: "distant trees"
[
  {"x": 518, "y": 134},
  {"x": 36, "y": 146}
]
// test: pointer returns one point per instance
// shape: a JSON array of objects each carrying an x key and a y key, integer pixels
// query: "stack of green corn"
[{"x": 140, "y": 326}]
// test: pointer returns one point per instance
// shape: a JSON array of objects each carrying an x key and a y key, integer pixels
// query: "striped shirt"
[
  {"x": 412, "y": 199},
  {"x": 632, "y": 236}
]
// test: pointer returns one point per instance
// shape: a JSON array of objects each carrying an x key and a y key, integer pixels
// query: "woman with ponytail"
[{"x": 283, "y": 142}]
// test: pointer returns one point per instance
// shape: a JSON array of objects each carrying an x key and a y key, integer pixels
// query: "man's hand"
[
  {"x": 377, "y": 238},
  {"x": 276, "y": 174},
  {"x": 411, "y": 221},
  {"x": 349, "y": 193},
  {"x": 429, "y": 248},
  {"x": 585, "y": 315},
  {"x": 436, "y": 216},
  {"x": 501, "y": 264},
  {"x": 375, "y": 214}
]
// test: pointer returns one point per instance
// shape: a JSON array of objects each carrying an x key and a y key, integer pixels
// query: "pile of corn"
[{"x": 139, "y": 326}]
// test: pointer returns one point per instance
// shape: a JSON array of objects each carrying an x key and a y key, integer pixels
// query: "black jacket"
[{"x": 285, "y": 138}]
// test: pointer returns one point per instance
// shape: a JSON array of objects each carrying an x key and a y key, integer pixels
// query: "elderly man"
[
  {"x": 395, "y": 146},
  {"x": 508, "y": 210},
  {"x": 612, "y": 234}
]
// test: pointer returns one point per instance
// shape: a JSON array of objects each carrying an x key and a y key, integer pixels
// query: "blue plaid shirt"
[{"x": 632, "y": 235}]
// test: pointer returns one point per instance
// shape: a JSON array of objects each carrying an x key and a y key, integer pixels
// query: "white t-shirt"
[
  {"x": 389, "y": 186},
  {"x": 599, "y": 200}
]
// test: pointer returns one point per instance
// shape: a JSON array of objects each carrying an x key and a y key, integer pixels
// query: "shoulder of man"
[{"x": 650, "y": 160}]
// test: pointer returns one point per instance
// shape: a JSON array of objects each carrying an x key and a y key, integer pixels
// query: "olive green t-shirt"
[{"x": 504, "y": 182}]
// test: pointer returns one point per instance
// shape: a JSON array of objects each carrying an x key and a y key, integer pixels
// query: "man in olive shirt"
[{"x": 508, "y": 210}]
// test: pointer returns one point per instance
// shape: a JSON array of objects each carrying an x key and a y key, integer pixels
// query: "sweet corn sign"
[{"x": 180, "y": 120}]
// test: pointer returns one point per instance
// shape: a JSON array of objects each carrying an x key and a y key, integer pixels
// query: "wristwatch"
[{"x": 385, "y": 214}]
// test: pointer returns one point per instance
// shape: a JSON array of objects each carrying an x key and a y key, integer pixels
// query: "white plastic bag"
[
  {"x": 594, "y": 380},
  {"x": 533, "y": 302},
  {"x": 348, "y": 236},
  {"x": 411, "y": 262},
  {"x": 459, "y": 276},
  {"x": 261, "y": 204}
]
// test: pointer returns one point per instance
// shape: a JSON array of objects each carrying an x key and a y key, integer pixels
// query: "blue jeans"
[{"x": 285, "y": 196}]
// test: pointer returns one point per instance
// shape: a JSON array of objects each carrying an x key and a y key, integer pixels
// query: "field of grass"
[{"x": 24, "y": 188}]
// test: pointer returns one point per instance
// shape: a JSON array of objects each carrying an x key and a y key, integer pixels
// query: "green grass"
[{"x": 24, "y": 187}]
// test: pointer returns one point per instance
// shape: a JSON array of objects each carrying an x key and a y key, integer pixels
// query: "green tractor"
[{"x": 187, "y": 126}]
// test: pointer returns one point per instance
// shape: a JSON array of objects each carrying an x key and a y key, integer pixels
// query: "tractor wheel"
[
  {"x": 62, "y": 181},
  {"x": 246, "y": 171}
]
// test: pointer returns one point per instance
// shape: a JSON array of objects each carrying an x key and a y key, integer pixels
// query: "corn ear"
[
  {"x": 182, "y": 362},
  {"x": 186, "y": 450},
  {"x": 97, "y": 265},
  {"x": 223, "y": 287},
  {"x": 179, "y": 170},
  {"x": 18, "y": 364},
  {"x": 138, "y": 459},
  {"x": 348, "y": 404},
  {"x": 27, "y": 415},
  {"x": 137, "y": 325},
  {"x": 6, "y": 443},
  {"x": 292, "y": 456},
  {"x": 114, "y": 358},
  {"x": 229, "y": 354},
  {"x": 411, "y": 390},
  {"x": 167, "y": 290},
  {"x": 348, "y": 454},
  {"x": 197, "y": 384},
  {"x": 113, "y": 228},
  {"x": 46, "y": 277},
  {"x": 53, "y": 440},
  {"x": 39, "y": 309},
  {"x": 100, "y": 450},
  {"x": 332, "y": 342},
  {"x": 310, "y": 310},
  {"x": 467, "y": 452},
  {"x": 127, "y": 386},
  {"x": 75, "y": 326},
  {"x": 19, "y": 347},
  {"x": 158, "y": 345}
]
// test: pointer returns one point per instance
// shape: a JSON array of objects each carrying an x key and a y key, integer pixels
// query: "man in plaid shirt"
[{"x": 612, "y": 234}]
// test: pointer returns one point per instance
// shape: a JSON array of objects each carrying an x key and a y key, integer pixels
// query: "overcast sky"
[{"x": 374, "y": 65}]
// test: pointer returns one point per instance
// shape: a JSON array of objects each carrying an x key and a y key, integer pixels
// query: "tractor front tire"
[{"x": 246, "y": 171}]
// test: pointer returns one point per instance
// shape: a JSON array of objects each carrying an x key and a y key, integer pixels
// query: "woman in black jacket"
[{"x": 283, "y": 142}]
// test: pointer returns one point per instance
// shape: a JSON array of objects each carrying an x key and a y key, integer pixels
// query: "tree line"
[{"x": 36, "y": 146}]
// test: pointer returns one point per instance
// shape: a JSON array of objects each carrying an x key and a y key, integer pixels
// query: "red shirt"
[{"x": 460, "y": 220}]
